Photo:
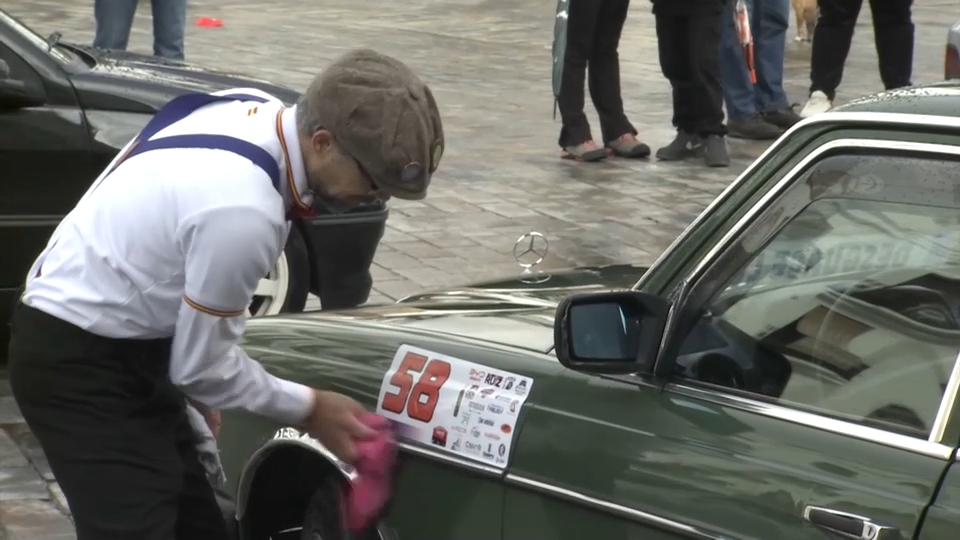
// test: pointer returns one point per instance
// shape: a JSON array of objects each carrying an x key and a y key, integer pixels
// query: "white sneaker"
[{"x": 818, "y": 103}]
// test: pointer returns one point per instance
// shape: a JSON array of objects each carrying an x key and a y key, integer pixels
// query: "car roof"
[{"x": 938, "y": 99}]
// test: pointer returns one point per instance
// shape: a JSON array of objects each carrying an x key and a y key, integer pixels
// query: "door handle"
[{"x": 849, "y": 525}]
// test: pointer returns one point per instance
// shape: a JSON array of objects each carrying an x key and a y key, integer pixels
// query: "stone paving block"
[
  {"x": 11, "y": 455},
  {"x": 58, "y": 497},
  {"x": 25, "y": 440},
  {"x": 9, "y": 412},
  {"x": 398, "y": 288},
  {"x": 380, "y": 273},
  {"x": 21, "y": 483},
  {"x": 34, "y": 520}
]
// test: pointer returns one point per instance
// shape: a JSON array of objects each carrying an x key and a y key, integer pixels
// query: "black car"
[{"x": 66, "y": 110}]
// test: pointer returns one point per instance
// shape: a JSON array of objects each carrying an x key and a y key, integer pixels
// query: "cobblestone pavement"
[{"x": 488, "y": 62}]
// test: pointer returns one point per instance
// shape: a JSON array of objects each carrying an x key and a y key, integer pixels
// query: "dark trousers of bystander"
[
  {"x": 688, "y": 38},
  {"x": 593, "y": 35},
  {"x": 893, "y": 34}
]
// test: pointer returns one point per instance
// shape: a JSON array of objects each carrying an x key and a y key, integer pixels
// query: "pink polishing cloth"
[{"x": 368, "y": 495}]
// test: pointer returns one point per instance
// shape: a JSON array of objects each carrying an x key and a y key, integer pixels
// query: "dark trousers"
[
  {"x": 114, "y": 430},
  {"x": 893, "y": 30},
  {"x": 689, "y": 46},
  {"x": 593, "y": 35}
]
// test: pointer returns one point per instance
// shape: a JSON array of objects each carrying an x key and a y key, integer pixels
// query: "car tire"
[
  {"x": 285, "y": 288},
  {"x": 323, "y": 521}
]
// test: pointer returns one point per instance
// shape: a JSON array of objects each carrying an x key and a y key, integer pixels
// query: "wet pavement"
[{"x": 488, "y": 64}]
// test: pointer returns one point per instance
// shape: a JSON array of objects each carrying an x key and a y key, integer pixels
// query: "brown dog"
[{"x": 806, "y": 12}]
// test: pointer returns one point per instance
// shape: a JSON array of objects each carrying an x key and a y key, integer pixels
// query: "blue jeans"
[
  {"x": 115, "y": 17},
  {"x": 769, "y": 20}
]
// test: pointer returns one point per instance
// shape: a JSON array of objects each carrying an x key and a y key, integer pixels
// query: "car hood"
[
  {"x": 129, "y": 82},
  {"x": 516, "y": 312}
]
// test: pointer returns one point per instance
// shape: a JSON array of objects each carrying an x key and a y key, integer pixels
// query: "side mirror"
[
  {"x": 610, "y": 332},
  {"x": 16, "y": 93}
]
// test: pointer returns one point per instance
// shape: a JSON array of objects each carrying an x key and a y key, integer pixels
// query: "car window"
[{"x": 845, "y": 298}]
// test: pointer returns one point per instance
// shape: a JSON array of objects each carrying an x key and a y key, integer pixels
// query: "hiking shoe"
[
  {"x": 754, "y": 127},
  {"x": 784, "y": 118},
  {"x": 818, "y": 103},
  {"x": 627, "y": 146},
  {"x": 715, "y": 153},
  {"x": 684, "y": 146},
  {"x": 587, "y": 151}
]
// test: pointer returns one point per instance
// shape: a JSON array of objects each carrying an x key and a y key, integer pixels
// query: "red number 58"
[{"x": 431, "y": 377}]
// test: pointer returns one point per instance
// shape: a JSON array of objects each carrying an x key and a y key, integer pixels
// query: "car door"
[
  {"x": 813, "y": 359},
  {"x": 45, "y": 161}
]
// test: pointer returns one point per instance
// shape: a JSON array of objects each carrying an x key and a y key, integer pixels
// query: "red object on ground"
[
  {"x": 369, "y": 494},
  {"x": 209, "y": 22}
]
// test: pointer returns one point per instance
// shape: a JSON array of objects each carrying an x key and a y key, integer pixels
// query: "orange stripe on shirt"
[
  {"x": 210, "y": 311},
  {"x": 286, "y": 159}
]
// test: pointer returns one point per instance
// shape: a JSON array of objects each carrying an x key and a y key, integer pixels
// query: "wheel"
[
  {"x": 285, "y": 288},
  {"x": 323, "y": 521}
]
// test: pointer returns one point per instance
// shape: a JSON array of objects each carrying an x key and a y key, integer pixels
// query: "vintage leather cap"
[{"x": 384, "y": 116}]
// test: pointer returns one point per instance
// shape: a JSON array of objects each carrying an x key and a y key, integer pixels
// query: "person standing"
[
  {"x": 758, "y": 111},
  {"x": 688, "y": 39},
  {"x": 893, "y": 35},
  {"x": 139, "y": 299},
  {"x": 593, "y": 36},
  {"x": 115, "y": 18}
]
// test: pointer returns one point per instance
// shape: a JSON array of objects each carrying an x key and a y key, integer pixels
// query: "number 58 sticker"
[
  {"x": 453, "y": 405},
  {"x": 417, "y": 382}
]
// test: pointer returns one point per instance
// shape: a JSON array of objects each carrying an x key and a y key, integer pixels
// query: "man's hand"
[
  {"x": 211, "y": 415},
  {"x": 335, "y": 421}
]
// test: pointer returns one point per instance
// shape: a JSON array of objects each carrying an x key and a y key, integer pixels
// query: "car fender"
[{"x": 283, "y": 438}]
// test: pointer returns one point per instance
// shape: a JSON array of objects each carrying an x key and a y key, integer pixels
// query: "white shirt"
[{"x": 173, "y": 243}]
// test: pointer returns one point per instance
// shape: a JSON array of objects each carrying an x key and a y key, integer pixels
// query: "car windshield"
[{"x": 56, "y": 52}]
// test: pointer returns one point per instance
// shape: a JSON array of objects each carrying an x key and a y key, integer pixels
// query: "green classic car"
[{"x": 787, "y": 370}]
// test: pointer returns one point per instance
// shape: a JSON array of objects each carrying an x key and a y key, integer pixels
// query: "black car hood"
[{"x": 129, "y": 82}]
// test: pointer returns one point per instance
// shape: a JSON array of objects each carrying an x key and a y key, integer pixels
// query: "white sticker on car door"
[{"x": 459, "y": 406}]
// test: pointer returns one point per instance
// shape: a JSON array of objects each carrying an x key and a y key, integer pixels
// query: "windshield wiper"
[{"x": 53, "y": 40}]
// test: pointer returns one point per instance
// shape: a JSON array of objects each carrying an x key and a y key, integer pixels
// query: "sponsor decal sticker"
[
  {"x": 435, "y": 399},
  {"x": 493, "y": 379},
  {"x": 439, "y": 436}
]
